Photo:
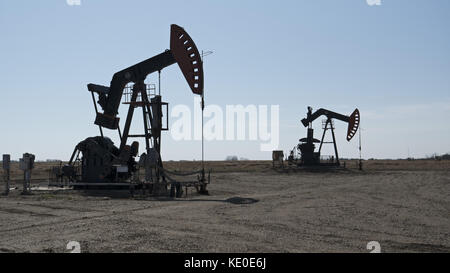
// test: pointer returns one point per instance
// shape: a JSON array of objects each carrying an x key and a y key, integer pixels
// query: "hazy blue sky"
[{"x": 391, "y": 61}]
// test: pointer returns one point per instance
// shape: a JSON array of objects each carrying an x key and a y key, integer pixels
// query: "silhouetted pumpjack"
[
  {"x": 307, "y": 147},
  {"x": 102, "y": 161}
]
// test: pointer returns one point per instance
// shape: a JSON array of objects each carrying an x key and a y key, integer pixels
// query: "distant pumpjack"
[{"x": 306, "y": 147}]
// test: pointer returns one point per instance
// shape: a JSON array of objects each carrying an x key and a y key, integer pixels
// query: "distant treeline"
[
  {"x": 429, "y": 157},
  {"x": 235, "y": 158},
  {"x": 439, "y": 157}
]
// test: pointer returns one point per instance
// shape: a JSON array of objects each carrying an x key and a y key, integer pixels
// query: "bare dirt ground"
[{"x": 404, "y": 205}]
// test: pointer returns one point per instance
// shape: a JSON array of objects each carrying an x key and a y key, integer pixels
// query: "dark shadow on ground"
[
  {"x": 123, "y": 194},
  {"x": 233, "y": 200},
  {"x": 312, "y": 169}
]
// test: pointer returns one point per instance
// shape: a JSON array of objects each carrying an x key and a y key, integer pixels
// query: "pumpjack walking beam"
[
  {"x": 352, "y": 120},
  {"x": 182, "y": 51}
]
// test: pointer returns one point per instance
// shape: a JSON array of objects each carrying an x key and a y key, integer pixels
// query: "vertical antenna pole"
[
  {"x": 203, "y": 108},
  {"x": 203, "y": 188},
  {"x": 360, "y": 160},
  {"x": 203, "y": 151}
]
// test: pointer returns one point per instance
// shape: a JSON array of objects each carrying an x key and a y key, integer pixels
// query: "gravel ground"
[{"x": 405, "y": 211}]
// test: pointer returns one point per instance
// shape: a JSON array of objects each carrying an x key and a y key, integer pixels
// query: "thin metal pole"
[
  {"x": 203, "y": 54},
  {"x": 360, "y": 144},
  {"x": 159, "y": 82},
  {"x": 203, "y": 141},
  {"x": 360, "y": 158}
]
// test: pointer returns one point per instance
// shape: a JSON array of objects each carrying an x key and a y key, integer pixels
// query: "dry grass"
[
  {"x": 247, "y": 211},
  {"x": 266, "y": 165},
  {"x": 42, "y": 169}
]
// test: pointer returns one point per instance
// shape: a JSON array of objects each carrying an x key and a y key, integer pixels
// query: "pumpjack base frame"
[
  {"x": 171, "y": 189},
  {"x": 314, "y": 166}
]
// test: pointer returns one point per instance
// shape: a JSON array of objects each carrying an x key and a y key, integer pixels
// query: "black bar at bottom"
[{"x": 237, "y": 262}]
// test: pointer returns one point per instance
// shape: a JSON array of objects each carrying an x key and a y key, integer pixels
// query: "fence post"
[
  {"x": 26, "y": 165},
  {"x": 6, "y": 168}
]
